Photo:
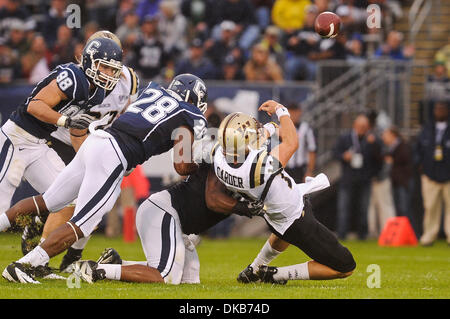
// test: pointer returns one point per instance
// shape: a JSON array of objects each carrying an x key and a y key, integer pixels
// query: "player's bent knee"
[{"x": 346, "y": 264}]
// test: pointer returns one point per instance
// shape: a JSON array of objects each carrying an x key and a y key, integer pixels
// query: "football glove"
[
  {"x": 79, "y": 121},
  {"x": 247, "y": 208}
]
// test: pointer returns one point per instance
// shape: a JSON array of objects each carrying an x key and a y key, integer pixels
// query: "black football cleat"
[
  {"x": 265, "y": 274},
  {"x": 72, "y": 255},
  {"x": 247, "y": 276},
  {"x": 109, "y": 256}
]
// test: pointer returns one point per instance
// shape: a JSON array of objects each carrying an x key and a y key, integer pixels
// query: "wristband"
[
  {"x": 62, "y": 121},
  {"x": 281, "y": 111}
]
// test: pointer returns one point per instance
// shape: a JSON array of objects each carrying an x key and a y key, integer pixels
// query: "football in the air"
[{"x": 327, "y": 24}]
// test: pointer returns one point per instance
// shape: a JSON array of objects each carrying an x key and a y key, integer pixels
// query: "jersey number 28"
[{"x": 159, "y": 106}]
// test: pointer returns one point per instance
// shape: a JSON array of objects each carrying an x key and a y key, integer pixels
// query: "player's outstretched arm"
[
  {"x": 41, "y": 106},
  {"x": 288, "y": 134}
]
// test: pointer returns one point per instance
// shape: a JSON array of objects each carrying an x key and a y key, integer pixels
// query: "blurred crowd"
[
  {"x": 253, "y": 40},
  {"x": 386, "y": 175}
]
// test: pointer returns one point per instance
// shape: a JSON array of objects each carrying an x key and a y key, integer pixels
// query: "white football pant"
[
  {"x": 93, "y": 177},
  {"x": 24, "y": 156},
  {"x": 164, "y": 244}
]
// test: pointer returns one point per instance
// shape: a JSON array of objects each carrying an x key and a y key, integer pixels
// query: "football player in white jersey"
[
  {"x": 245, "y": 166},
  {"x": 66, "y": 144}
]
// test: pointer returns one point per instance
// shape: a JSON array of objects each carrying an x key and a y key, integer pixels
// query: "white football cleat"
[{"x": 17, "y": 272}]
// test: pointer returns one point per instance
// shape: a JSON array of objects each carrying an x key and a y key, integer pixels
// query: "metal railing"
[
  {"x": 418, "y": 13},
  {"x": 380, "y": 85}
]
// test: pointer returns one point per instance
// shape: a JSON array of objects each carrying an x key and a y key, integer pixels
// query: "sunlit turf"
[{"x": 405, "y": 272}]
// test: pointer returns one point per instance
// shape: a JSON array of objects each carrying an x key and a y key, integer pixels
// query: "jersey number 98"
[{"x": 63, "y": 80}]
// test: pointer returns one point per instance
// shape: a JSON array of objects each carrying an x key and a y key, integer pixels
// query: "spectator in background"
[
  {"x": 231, "y": 69},
  {"x": 17, "y": 40},
  {"x": 242, "y": 14},
  {"x": 125, "y": 7},
  {"x": 433, "y": 154},
  {"x": 172, "y": 27},
  {"x": 394, "y": 49},
  {"x": 271, "y": 40},
  {"x": 443, "y": 56},
  {"x": 198, "y": 14},
  {"x": 399, "y": 157},
  {"x": 263, "y": 8},
  {"x": 381, "y": 203},
  {"x": 149, "y": 57},
  {"x": 359, "y": 155},
  {"x": 89, "y": 29},
  {"x": 303, "y": 162},
  {"x": 14, "y": 13},
  {"x": 218, "y": 49},
  {"x": 147, "y": 8},
  {"x": 355, "y": 53},
  {"x": 35, "y": 62},
  {"x": 352, "y": 17},
  {"x": 10, "y": 68},
  {"x": 55, "y": 18},
  {"x": 324, "y": 5},
  {"x": 103, "y": 12},
  {"x": 129, "y": 30},
  {"x": 261, "y": 68},
  {"x": 197, "y": 63},
  {"x": 289, "y": 15},
  {"x": 301, "y": 45},
  {"x": 62, "y": 51},
  {"x": 438, "y": 83}
]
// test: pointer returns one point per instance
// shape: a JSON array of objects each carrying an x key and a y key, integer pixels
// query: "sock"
[
  {"x": 111, "y": 271},
  {"x": 36, "y": 257},
  {"x": 265, "y": 256},
  {"x": 41, "y": 240},
  {"x": 81, "y": 243},
  {"x": 293, "y": 272},
  {"x": 4, "y": 222}
]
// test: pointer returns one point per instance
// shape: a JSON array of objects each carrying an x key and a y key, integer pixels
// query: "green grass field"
[{"x": 406, "y": 272}]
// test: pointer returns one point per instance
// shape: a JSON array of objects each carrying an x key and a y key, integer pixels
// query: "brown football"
[{"x": 327, "y": 24}]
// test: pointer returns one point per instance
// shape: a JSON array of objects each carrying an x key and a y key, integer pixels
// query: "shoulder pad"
[
  {"x": 134, "y": 79},
  {"x": 72, "y": 81}
]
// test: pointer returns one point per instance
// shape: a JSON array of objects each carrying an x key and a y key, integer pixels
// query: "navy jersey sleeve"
[{"x": 72, "y": 81}]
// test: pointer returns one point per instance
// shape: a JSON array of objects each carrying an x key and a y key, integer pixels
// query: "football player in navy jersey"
[
  {"x": 157, "y": 121},
  {"x": 60, "y": 99},
  {"x": 66, "y": 145}
]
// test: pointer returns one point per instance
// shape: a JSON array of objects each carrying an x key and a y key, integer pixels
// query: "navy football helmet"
[
  {"x": 191, "y": 88},
  {"x": 98, "y": 54}
]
